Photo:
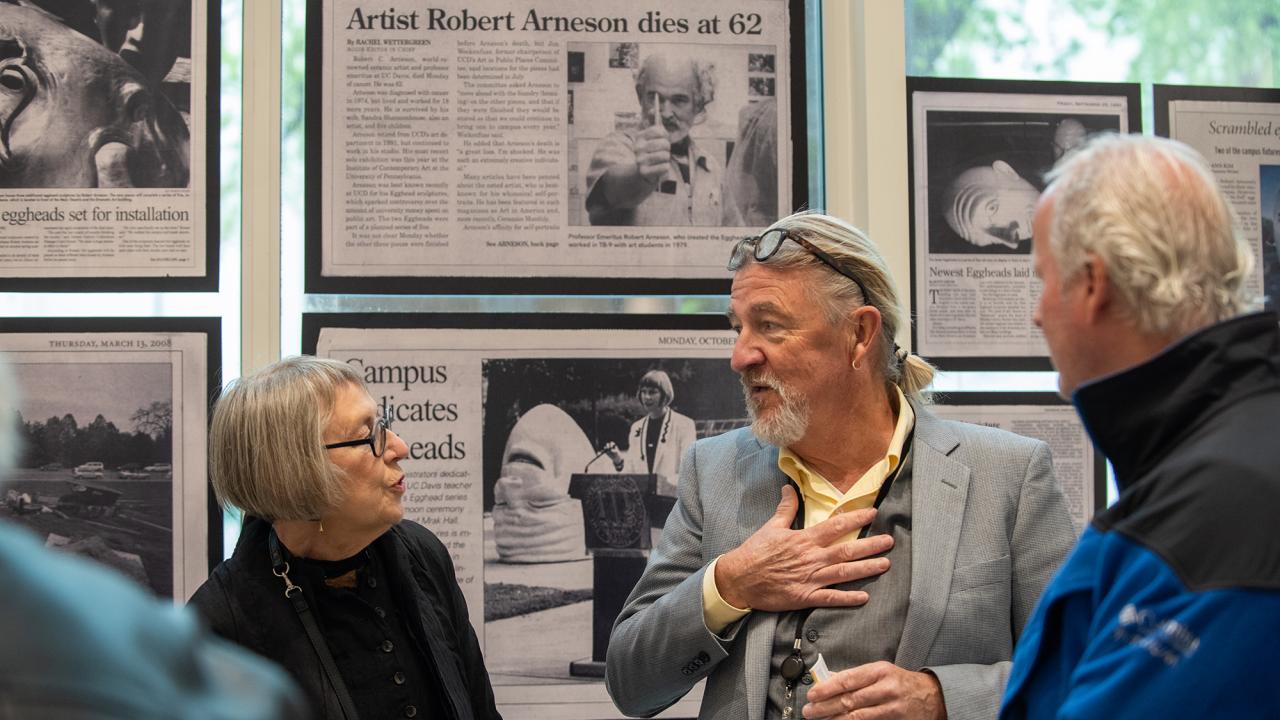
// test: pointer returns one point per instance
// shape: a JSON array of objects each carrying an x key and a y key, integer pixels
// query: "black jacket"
[
  {"x": 245, "y": 603},
  {"x": 1189, "y": 435}
]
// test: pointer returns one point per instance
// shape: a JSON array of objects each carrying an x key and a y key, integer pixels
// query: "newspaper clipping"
[
  {"x": 1075, "y": 462},
  {"x": 978, "y": 169},
  {"x": 507, "y": 429},
  {"x": 102, "y": 162},
  {"x": 1241, "y": 141},
  {"x": 113, "y": 428},
  {"x": 570, "y": 138}
]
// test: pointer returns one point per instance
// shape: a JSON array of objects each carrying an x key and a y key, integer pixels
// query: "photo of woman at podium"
[
  {"x": 658, "y": 440},
  {"x": 581, "y": 463}
]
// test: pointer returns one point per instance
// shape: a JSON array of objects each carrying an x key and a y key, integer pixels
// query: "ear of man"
[
  {"x": 1095, "y": 287},
  {"x": 864, "y": 328}
]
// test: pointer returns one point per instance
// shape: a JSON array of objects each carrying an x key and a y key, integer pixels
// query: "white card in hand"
[{"x": 819, "y": 670}]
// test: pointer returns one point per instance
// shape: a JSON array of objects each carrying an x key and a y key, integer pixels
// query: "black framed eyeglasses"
[
  {"x": 377, "y": 440},
  {"x": 766, "y": 245}
]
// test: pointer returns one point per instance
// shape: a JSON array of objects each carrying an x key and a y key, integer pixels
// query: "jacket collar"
[
  {"x": 1135, "y": 416},
  {"x": 253, "y": 537},
  {"x": 937, "y": 435}
]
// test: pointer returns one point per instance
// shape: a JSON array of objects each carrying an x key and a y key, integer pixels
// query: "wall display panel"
[
  {"x": 1238, "y": 132},
  {"x": 509, "y": 420},
  {"x": 113, "y": 414},
  {"x": 978, "y": 153},
  {"x": 1079, "y": 467},
  {"x": 109, "y": 161},
  {"x": 569, "y": 146}
]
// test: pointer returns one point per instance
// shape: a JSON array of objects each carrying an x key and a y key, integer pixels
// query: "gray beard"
[{"x": 786, "y": 424}]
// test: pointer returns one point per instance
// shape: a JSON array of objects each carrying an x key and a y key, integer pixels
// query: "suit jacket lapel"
[
  {"x": 761, "y": 488},
  {"x": 939, "y": 488}
]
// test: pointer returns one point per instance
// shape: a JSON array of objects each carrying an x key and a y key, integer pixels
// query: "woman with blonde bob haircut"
[
  {"x": 659, "y": 439},
  {"x": 328, "y": 578}
]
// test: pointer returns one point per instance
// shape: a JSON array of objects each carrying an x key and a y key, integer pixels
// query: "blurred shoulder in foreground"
[{"x": 81, "y": 642}]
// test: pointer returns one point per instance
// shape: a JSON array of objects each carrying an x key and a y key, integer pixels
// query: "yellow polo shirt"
[{"x": 821, "y": 501}]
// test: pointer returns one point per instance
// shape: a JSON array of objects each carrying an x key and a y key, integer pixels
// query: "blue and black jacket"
[{"x": 1169, "y": 606}]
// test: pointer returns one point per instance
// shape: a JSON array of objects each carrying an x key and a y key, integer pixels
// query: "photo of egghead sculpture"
[
  {"x": 986, "y": 171},
  {"x": 547, "y": 421},
  {"x": 656, "y": 126},
  {"x": 83, "y": 93}
]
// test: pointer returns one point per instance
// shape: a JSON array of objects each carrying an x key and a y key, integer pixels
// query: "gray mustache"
[{"x": 762, "y": 380}]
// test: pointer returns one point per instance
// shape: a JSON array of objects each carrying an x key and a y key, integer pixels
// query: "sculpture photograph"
[
  {"x": 80, "y": 114},
  {"x": 985, "y": 173}
]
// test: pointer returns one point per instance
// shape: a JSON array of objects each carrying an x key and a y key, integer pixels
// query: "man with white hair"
[
  {"x": 847, "y": 527},
  {"x": 658, "y": 174},
  {"x": 1170, "y": 604}
]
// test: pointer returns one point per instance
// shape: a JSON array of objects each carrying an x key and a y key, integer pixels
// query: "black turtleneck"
[{"x": 1192, "y": 435}]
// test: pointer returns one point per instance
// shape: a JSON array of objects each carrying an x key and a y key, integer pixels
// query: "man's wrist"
[
  {"x": 940, "y": 706},
  {"x": 716, "y": 613},
  {"x": 725, "y": 579}
]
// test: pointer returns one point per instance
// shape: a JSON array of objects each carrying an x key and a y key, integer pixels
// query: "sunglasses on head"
[{"x": 766, "y": 245}]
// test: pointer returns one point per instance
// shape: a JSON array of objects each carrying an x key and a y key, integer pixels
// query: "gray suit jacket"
[{"x": 989, "y": 528}]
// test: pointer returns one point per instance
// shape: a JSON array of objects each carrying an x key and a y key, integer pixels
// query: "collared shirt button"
[
  {"x": 388, "y": 646},
  {"x": 398, "y": 678},
  {"x": 373, "y": 582},
  {"x": 807, "y": 679},
  {"x": 811, "y": 635},
  {"x": 379, "y": 612},
  {"x": 411, "y": 711}
]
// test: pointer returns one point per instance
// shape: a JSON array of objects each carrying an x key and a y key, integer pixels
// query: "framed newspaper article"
[
  {"x": 109, "y": 156},
  {"x": 576, "y": 146},
  {"x": 978, "y": 153},
  {"x": 113, "y": 414},
  {"x": 544, "y": 451},
  {"x": 1238, "y": 132},
  {"x": 1080, "y": 469}
]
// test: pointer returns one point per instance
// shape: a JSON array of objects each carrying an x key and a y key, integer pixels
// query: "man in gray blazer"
[{"x": 848, "y": 527}]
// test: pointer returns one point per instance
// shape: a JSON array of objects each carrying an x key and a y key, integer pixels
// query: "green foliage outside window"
[{"x": 1193, "y": 42}]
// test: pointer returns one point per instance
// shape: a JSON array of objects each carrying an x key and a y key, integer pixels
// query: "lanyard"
[{"x": 793, "y": 665}]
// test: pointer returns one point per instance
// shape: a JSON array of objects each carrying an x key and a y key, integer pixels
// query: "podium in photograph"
[{"x": 619, "y": 513}]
